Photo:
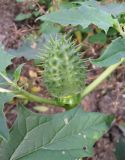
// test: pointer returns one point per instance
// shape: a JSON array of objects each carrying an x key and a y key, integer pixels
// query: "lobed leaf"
[
  {"x": 64, "y": 136},
  {"x": 5, "y": 59},
  {"x": 112, "y": 54},
  {"x": 120, "y": 149},
  {"x": 99, "y": 38},
  {"x": 28, "y": 50},
  {"x": 114, "y": 8},
  {"x": 49, "y": 28},
  {"x": 83, "y": 15},
  {"x": 111, "y": 8},
  {"x": 4, "y": 131}
]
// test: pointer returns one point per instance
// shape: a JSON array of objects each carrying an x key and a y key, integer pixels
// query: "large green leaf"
[
  {"x": 112, "y": 54},
  {"x": 83, "y": 15},
  {"x": 112, "y": 8},
  {"x": 120, "y": 149},
  {"x": 49, "y": 28},
  {"x": 4, "y": 97},
  {"x": 64, "y": 136},
  {"x": 5, "y": 59},
  {"x": 99, "y": 38},
  {"x": 27, "y": 49}
]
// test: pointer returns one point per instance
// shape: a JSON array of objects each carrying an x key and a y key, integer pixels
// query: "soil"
[
  {"x": 108, "y": 98},
  {"x": 7, "y": 12}
]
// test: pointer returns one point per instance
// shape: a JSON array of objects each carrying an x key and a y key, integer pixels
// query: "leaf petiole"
[{"x": 102, "y": 77}]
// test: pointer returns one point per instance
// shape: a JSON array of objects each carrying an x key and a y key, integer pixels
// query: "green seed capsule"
[{"x": 64, "y": 71}]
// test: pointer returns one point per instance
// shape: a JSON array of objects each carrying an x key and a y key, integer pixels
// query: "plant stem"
[
  {"x": 119, "y": 28},
  {"x": 6, "y": 78},
  {"x": 102, "y": 77},
  {"x": 24, "y": 94},
  {"x": 34, "y": 98}
]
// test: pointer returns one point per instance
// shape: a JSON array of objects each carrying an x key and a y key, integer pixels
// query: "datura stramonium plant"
[{"x": 64, "y": 71}]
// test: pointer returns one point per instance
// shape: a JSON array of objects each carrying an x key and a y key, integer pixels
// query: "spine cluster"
[{"x": 64, "y": 71}]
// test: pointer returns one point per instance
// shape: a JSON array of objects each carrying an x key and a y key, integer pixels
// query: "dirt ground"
[
  {"x": 7, "y": 14},
  {"x": 108, "y": 98}
]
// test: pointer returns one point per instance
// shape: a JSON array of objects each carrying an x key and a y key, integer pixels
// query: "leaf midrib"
[{"x": 44, "y": 147}]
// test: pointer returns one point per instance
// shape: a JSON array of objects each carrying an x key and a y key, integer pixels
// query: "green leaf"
[
  {"x": 5, "y": 59},
  {"x": 49, "y": 28},
  {"x": 22, "y": 16},
  {"x": 114, "y": 8},
  {"x": 36, "y": 13},
  {"x": 112, "y": 54},
  {"x": 99, "y": 38},
  {"x": 111, "y": 8},
  {"x": 64, "y": 136},
  {"x": 4, "y": 97},
  {"x": 23, "y": 0},
  {"x": 66, "y": 5},
  {"x": 17, "y": 72},
  {"x": 26, "y": 50},
  {"x": 83, "y": 15},
  {"x": 120, "y": 149}
]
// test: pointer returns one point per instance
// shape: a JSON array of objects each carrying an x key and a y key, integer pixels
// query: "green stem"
[
  {"x": 24, "y": 94},
  {"x": 119, "y": 28},
  {"x": 102, "y": 77},
  {"x": 34, "y": 98}
]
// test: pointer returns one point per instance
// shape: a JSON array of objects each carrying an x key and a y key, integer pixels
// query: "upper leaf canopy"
[
  {"x": 5, "y": 60},
  {"x": 83, "y": 15},
  {"x": 111, "y": 8}
]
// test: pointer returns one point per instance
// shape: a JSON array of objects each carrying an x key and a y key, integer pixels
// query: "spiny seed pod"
[{"x": 64, "y": 71}]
